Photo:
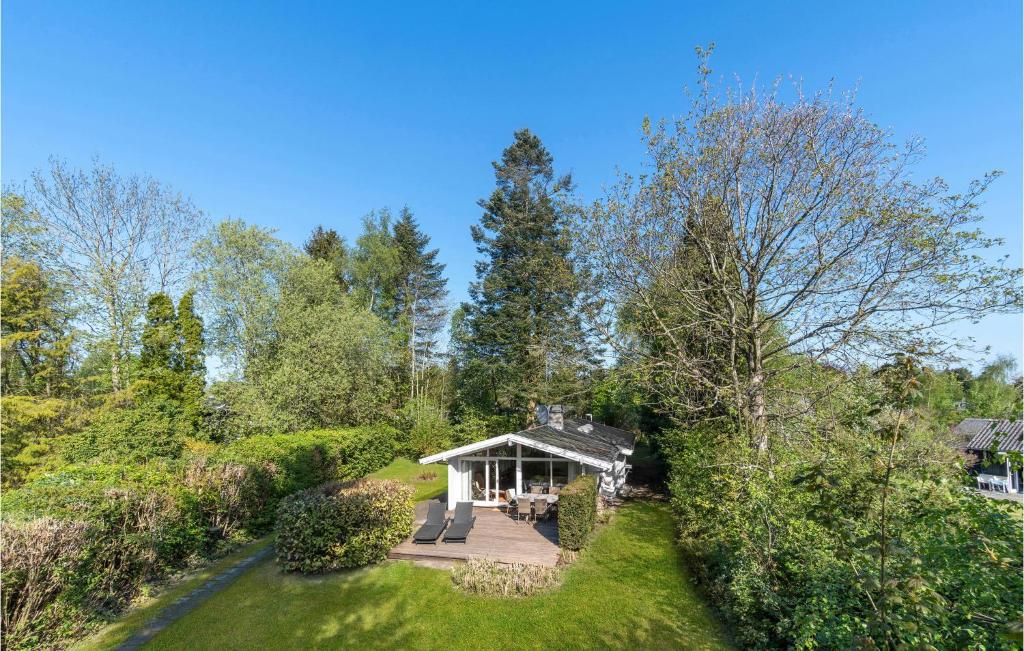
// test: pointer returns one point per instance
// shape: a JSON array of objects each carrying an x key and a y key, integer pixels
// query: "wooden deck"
[{"x": 495, "y": 536}]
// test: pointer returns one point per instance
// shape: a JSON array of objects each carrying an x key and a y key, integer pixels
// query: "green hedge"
[
  {"x": 131, "y": 524},
  {"x": 577, "y": 512},
  {"x": 341, "y": 525}
]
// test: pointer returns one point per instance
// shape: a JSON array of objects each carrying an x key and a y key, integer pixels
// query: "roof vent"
[{"x": 586, "y": 428}]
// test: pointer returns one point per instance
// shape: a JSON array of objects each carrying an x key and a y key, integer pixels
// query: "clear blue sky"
[{"x": 292, "y": 114}]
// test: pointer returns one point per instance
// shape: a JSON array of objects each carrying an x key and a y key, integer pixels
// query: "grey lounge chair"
[
  {"x": 462, "y": 521},
  {"x": 434, "y": 525}
]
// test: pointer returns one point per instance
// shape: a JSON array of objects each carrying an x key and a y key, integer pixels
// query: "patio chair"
[
  {"x": 540, "y": 510},
  {"x": 462, "y": 522},
  {"x": 537, "y": 489},
  {"x": 434, "y": 525},
  {"x": 555, "y": 490},
  {"x": 524, "y": 508}
]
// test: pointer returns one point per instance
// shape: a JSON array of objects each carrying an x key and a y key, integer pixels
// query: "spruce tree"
[
  {"x": 329, "y": 246},
  {"x": 524, "y": 340},
  {"x": 159, "y": 344},
  {"x": 190, "y": 358},
  {"x": 419, "y": 297}
]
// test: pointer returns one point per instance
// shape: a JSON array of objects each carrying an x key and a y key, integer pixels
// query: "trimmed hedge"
[
  {"x": 342, "y": 525},
  {"x": 577, "y": 512},
  {"x": 131, "y": 524}
]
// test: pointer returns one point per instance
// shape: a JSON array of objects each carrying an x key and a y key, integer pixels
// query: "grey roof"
[
  {"x": 601, "y": 442},
  {"x": 984, "y": 434}
]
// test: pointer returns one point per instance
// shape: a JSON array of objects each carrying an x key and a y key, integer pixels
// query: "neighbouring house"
[
  {"x": 540, "y": 459},
  {"x": 995, "y": 446}
]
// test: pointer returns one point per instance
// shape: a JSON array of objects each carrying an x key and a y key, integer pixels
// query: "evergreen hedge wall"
[{"x": 577, "y": 512}]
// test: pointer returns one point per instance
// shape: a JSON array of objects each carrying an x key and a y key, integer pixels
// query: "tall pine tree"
[
  {"x": 522, "y": 342},
  {"x": 420, "y": 297}
]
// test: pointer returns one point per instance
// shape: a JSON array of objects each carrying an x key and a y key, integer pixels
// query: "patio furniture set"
[
  {"x": 993, "y": 482},
  {"x": 533, "y": 506}
]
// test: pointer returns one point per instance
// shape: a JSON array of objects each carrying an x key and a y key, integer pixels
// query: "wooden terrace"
[{"x": 495, "y": 535}]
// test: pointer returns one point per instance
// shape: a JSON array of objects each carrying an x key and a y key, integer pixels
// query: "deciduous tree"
[{"x": 830, "y": 253}]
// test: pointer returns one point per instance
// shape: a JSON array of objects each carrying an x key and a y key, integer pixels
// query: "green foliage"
[
  {"x": 81, "y": 542},
  {"x": 133, "y": 429},
  {"x": 130, "y": 526},
  {"x": 342, "y": 525},
  {"x": 330, "y": 247},
  {"x": 240, "y": 267},
  {"x": 331, "y": 363},
  {"x": 35, "y": 358},
  {"x": 375, "y": 265},
  {"x": 577, "y": 512},
  {"x": 293, "y": 462},
  {"x": 159, "y": 341},
  {"x": 191, "y": 359},
  {"x": 792, "y": 556}
]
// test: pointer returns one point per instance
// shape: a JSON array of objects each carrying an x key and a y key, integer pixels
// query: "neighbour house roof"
[
  {"x": 985, "y": 434},
  {"x": 591, "y": 443}
]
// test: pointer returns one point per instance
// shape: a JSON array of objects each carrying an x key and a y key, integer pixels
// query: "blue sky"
[{"x": 294, "y": 114}]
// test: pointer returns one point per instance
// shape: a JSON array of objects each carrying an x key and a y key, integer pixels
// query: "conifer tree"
[
  {"x": 159, "y": 344},
  {"x": 191, "y": 362},
  {"x": 524, "y": 339},
  {"x": 419, "y": 297},
  {"x": 327, "y": 245}
]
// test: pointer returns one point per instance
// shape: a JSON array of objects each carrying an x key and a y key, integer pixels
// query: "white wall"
[{"x": 454, "y": 483}]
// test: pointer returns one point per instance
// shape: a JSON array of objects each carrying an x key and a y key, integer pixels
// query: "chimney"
[{"x": 555, "y": 416}]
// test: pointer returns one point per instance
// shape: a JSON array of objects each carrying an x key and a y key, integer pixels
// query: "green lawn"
[
  {"x": 410, "y": 471},
  {"x": 629, "y": 590},
  {"x": 117, "y": 632},
  {"x": 111, "y": 635}
]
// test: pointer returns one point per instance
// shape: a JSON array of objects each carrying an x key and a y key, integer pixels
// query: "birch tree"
[
  {"x": 767, "y": 234},
  {"x": 114, "y": 239}
]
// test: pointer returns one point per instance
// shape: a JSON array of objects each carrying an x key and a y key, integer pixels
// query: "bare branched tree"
[
  {"x": 770, "y": 234},
  {"x": 114, "y": 239}
]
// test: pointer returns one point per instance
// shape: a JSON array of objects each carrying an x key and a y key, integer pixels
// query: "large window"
[{"x": 491, "y": 475}]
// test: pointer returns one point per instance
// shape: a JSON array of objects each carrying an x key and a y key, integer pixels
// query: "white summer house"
[{"x": 539, "y": 459}]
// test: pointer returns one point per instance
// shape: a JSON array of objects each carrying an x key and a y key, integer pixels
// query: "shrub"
[
  {"x": 146, "y": 520},
  {"x": 791, "y": 559},
  {"x": 341, "y": 525},
  {"x": 577, "y": 512},
  {"x": 297, "y": 461},
  {"x": 41, "y": 560},
  {"x": 486, "y": 577},
  {"x": 230, "y": 496},
  {"x": 366, "y": 449}
]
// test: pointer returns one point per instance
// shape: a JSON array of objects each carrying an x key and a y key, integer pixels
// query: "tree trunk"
[{"x": 115, "y": 369}]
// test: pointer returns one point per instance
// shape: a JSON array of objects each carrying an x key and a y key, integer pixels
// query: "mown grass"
[
  {"x": 410, "y": 472},
  {"x": 629, "y": 590},
  {"x": 113, "y": 634}
]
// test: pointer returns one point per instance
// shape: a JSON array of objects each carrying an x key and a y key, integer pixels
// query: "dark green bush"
[
  {"x": 791, "y": 558},
  {"x": 577, "y": 512},
  {"x": 146, "y": 520},
  {"x": 341, "y": 525}
]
